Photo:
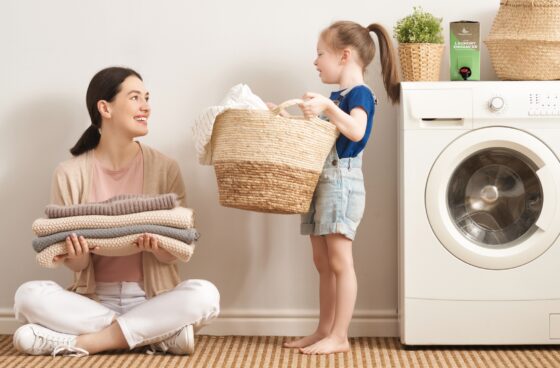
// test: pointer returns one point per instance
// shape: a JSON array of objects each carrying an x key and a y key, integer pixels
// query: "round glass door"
[
  {"x": 495, "y": 197},
  {"x": 492, "y": 198}
]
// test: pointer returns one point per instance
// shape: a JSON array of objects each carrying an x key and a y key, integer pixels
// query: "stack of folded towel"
[{"x": 114, "y": 225}]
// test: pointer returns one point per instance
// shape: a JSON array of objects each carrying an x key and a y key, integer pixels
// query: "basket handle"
[{"x": 285, "y": 104}]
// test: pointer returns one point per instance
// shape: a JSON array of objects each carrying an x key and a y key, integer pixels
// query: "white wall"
[{"x": 190, "y": 53}]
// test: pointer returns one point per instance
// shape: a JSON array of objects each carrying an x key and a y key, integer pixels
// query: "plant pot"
[
  {"x": 524, "y": 43},
  {"x": 420, "y": 61}
]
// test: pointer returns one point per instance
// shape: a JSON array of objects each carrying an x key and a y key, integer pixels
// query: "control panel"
[
  {"x": 465, "y": 104},
  {"x": 544, "y": 104}
]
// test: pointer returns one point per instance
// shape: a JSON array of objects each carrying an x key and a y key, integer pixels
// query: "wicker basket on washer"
[
  {"x": 269, "y": 163},
  {"x": 420, "y": 61},
  {"x": 524, "y": 42}
]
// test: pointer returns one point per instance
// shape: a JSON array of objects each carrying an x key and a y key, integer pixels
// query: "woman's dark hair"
[{"x": 103, "y": 86}]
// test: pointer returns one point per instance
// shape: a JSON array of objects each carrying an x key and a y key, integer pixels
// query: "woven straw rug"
[{"x": 267, "y": 351}]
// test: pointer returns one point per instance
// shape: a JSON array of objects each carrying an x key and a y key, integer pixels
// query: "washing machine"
[{"x": 479, "y": 213}]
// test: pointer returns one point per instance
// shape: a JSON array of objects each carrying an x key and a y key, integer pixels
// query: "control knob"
[{"x": 496, "y": 104}]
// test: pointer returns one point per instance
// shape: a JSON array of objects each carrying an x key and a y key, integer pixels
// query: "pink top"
[{"x": 105, "y": 184}]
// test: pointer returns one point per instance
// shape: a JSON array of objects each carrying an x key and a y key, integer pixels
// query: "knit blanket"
[
  {"x": 179, "y": 217},
  {"x": 121, "y": 246},
  {"x": 118, "y": 205},
  {"x": 184, "y": 235}
]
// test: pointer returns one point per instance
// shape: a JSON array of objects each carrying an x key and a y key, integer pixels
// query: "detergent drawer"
[{"x": 437, "y": 109}]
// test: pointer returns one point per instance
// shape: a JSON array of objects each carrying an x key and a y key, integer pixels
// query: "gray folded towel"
[
  {"x": 118, "y": 205},
  {"x": 183, "y": 235}
]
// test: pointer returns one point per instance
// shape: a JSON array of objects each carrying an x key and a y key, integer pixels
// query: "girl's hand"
[
  {"x": 283, "y": 112},
  {"x": 77, "y": 249},
  {"x": 314, "y": 104}
]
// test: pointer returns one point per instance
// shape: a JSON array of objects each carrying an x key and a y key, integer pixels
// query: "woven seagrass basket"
[
  {"x": 524, "y": 42},
  {"x": 420, "y": 61},
  {"x": 269, "y": 163}
]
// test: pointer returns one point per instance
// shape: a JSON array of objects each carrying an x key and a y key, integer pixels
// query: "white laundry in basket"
[{"x": 238, "y": 97}]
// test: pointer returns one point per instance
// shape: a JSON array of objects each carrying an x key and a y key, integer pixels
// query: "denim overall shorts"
[{"x": 339, "y": 199}]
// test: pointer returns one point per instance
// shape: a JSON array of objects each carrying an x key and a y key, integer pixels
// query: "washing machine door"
[{"x": 492, "y": 198}]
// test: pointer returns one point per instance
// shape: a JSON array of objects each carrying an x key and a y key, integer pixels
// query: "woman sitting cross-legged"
[{"x": 115, "y": 302}]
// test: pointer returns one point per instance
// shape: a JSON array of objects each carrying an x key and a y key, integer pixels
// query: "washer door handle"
[{"x": 549, "y": 204}]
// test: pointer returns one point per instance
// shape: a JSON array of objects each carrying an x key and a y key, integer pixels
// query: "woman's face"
[{"x": 130, "y": 109}]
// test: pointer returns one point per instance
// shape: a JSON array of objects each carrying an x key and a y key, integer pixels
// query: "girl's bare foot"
[
  {"x": 305, "y": 341},
  {"x": 328, "y": 345}
]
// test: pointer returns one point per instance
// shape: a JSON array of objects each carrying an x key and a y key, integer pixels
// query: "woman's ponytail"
[
  {"x": 89, "y": 140},
  {"x": 388, "y": 59}
]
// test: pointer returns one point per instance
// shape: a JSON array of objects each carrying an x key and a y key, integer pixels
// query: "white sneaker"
[
  {"x": 181, "y": 343},
  {"x": 34, "y": 339}
]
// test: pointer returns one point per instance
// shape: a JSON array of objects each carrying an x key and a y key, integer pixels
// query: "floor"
[{"x": 267, "y": 351}]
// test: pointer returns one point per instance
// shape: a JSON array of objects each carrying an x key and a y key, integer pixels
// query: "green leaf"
[{"x": 420, "y": 26}]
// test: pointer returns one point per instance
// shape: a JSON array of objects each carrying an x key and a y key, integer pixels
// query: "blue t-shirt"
[{"x": 359, "y": 96}]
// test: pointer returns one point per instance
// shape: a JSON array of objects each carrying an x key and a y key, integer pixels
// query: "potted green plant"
[{"x": 421, "y": 46}]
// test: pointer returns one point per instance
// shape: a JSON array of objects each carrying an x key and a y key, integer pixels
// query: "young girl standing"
[{"x": 344, "y": 50}]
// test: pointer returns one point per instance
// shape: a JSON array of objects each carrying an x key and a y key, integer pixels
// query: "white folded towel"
[{"x": 238, "y": 97}]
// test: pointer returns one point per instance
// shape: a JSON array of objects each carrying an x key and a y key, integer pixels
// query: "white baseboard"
[
  {"x": 270, "y": 323},
  {"x": 8, "y": 322}
]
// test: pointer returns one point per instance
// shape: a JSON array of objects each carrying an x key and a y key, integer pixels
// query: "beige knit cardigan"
[{"x": 71, "y": 185}]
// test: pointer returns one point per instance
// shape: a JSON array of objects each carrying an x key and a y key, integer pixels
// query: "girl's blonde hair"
[{"x": 342, "y": 34}]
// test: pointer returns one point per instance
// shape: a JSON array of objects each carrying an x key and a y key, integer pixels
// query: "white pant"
[{"x": 142, "y": 321}]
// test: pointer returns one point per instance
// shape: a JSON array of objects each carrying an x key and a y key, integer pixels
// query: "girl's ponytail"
[{"x": 388, "y": 59}]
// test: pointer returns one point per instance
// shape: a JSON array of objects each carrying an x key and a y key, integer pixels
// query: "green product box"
[{"x": 464, "y": 39}]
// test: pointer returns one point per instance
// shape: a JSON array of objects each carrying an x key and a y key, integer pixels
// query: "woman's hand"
[
  {"x": 314, "y": 104},
  {"x": 150, "y": 243},
  {"x": 77, "y": 253},
  {"x": 147, "y": 243}
]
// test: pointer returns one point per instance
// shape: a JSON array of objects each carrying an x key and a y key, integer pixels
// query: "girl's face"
[
  {"x": 328, "y": 63},
  {"x": 130, "y": 109}
]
